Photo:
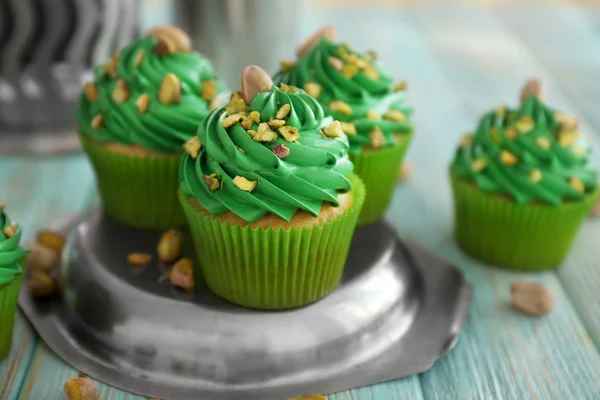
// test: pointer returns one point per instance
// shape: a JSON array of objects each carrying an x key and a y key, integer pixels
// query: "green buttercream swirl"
[
  {"x": 314, "y": 171},
  {"x": 10, "y": 252},
  {"x": 162, "y": 128},
  {"x": 360, "y": 92},
  {"x": 539, "y": 149}
]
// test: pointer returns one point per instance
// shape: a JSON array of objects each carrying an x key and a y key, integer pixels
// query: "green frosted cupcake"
[
  {"x": 134, "y": 118},
  {"x": 270, "y": 198},
  {"x": 11, "y": 255},
  {"x": 522, "y": 185},
  {"x": 355, "y": 89}
]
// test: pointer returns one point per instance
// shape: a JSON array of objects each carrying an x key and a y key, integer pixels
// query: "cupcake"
[
  {"x": 11, "y": 255},
  {"x": 522, "y": 185},
  {"x": 134, "y": 118},
  {"x": 269, "y": 196},
  {"x": 356, "y": 90}
]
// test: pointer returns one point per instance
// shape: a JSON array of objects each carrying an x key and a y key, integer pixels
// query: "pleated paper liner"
[
  {"x": 525, "y": 237},
  {"x": 9, "y": 294},
  {"x": 139, "y": 191},
  {"x": 273, "y": 268},
  {"x": 379, "y": 171}
]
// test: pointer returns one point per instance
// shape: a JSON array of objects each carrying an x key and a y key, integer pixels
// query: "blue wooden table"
[{"x": 459, "y": 60}]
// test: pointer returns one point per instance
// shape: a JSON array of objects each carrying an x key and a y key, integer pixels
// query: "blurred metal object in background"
[
  {"x": 47, "y": 49},
  {"x": 236, "y": 33}
]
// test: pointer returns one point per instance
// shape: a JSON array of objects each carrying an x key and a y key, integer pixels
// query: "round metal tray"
[{"x": 397, "y": 310}]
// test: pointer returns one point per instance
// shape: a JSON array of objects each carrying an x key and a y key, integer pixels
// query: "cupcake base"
[
  {"x": 137, "y": 189},
  {"x": 379, "y": 171},
  {"x": 9, "y": 295},
  {"x": 267, "y": 268},
  {"x": 529, "y": 237}
]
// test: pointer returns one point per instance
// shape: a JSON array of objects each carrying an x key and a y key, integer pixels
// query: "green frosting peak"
[
  {"x": 532, "y": 154},
  {"x": 277, "y": 156},
  {"x": 354, "y": 88},
  {"x": 140, "y": 70},
  {"x": 10, "y": 251}
]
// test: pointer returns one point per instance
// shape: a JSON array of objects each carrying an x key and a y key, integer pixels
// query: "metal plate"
[{"x": 398, "y": 309}]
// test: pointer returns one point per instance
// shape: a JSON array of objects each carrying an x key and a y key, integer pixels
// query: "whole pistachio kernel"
[
  {"x": 373, "y": 115},
  {"x": 525, "y": 124},
  {"x": 543, "y": 142},
  {"x": 377, "y": 137},
  {"x": 139, "y": 58},
  {"x": 568, "y": 138},
  {"x": 182, "y": 274},
  {"x": 9, "y": 230},
  {"x": 283, "y": 111},
  {"x": 208, "y": 89},
  {"x": 466, "y": 140},
  {"x": 121, "y": 92},
  {"x": 394, "y": 115},
  {"x": 289, "y": 133},
  {"x": 142, "y": 103},
  {"x": 231, "y": 120},
  {"x": 287, "y": 65},
  {"x": 193, "y": 146},
  {"x": 478, "y": 164},
  {"x": 90, "y": 92},
  {"x": 212, "y": 182},
  {"x": 169, "y": 91},
  {"x": 334, "y": 130},
  {"x": 164, "y": 47},
  {"x": 349, "y": 128},
  {"x": 97, "y": 121},
  {"x": 313, "y": 89},
  {"x": 340, "y": 107},
  {"x": 349, "y": 71},
  {"x": 508, "y": 158},
  {"x": 264, "y": 133},
  {"x": 535, "y": 175},
  {"x": 244, "y": 184},
  {"x": 576, "y": 184}
]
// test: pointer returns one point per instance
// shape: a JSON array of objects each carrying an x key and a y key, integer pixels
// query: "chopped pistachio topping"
[
  {"x": 236, "y": 104},
  {"x": 535, "y": 175},
  {"x": 246, "y": 122},
  {"x": 9, "y": 230},
  {"x": 511, "y": 133},
  {"x": 508, "y": 158},
  {"x": 394, "y": 115},
  {"x": 283, "y": 111},
  {"x": 139, "y": 58},
  {"x": 281, "y": 151},
  {"x": 121, "y": 92},
  {"x": 208, "y": 89},
  {"x": 372, "y": 54},
  {"x": 566, "y": 121},
  {"x": 340, "y": 107},
  {"x": 193, "y": 146},
  {"x": 288, "y": 89},
  {"x": 400, "y": 86},
  {"x": 110, "y": 69},
  {"x": 276, "y": 123},
  {"x": 169, "y": 91},
  {"x": 244, "y": 183},
  {"x": 255, "y": 116},
  {"x": 543, "y": 142},
  {"x": 371, "y": 73},
  {"x": 142, "y": 103},
  {"x": 264, "y": 133},
  {"x": 576, "y": 184},
  {"x": 525, "y": 124},
  {"x": 97, "y": 121},
  {"x": 466, "y": 140},
  {"x": 377, "y": 137},
  {"x": 349, "y": 70},
  {"x": 287, "y": 65},
  {"x": 313, "y": 89},
  {"x": 334, "y": 130},
  {"x": 568, "y": 138},
  {"x": 478, "y": 165},
  {"x": 214, "y": 104},
  {"x": 289, "y": 133},
  {"x": 500, "y": 112},
  {"x": 496, "y": 136},
  {"x": 231, "y": 120},
  {"x": 373, "y": 115},
  {"x": 90, "y": 92},
  {"x": 349, "y": 128},
  {"x": 336, "y": 63},
  {"x": 580, "y": 151},
  {"x": 212, "y": 182}
]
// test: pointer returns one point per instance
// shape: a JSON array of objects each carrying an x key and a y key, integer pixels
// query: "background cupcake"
[
  {"x": 11, "y": 255},
  {"x": 269, "y": 196},
  {"x": 355, "y": 89},
  {"x": 522, "y": 185},
  {"x": 134, "y": 118}
]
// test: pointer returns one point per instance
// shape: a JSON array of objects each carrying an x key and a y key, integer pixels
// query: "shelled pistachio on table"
[
  {"x": 81, "y": 388},
  {"x": 42, "y": 277},
  {"x": 531, "y": 298}
]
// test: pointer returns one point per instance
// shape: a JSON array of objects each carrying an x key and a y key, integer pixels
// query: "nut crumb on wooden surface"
[
  {"x": 531, "y": 298},
  {"x": 81, "y": 389},
  {"x": 138, "y": 259}
]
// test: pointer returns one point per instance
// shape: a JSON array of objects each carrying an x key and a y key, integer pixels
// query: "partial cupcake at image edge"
[
  {"x": 134, "y": 118},
  {"x": 356, "y": 89},
  {"x": 269, "y": 194},
  {"x": 11, "y": 275},
  {"x": 522, "y": 185}
]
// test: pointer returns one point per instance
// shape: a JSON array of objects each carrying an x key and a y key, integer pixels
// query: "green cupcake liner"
[
  {"x": 137, "y": 191},
  {"x": 525, "y": 237},
  {"x": 273, "y": 269},
  {"x": 379, "y": 171},
  {"x": 9, "y": 295}
]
